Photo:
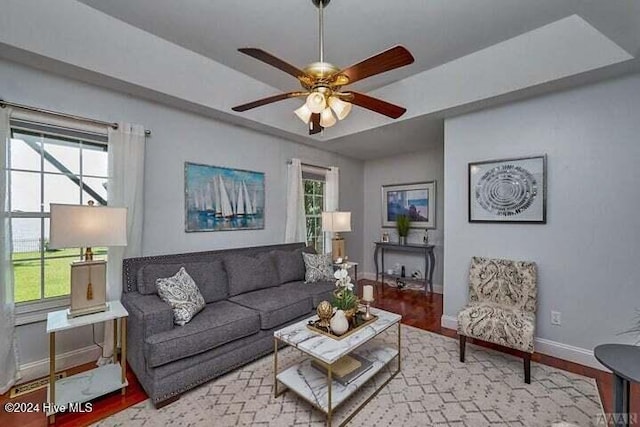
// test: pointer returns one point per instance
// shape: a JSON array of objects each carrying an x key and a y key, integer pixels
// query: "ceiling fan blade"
[
  {"x": 377, "y": 105},
  {"x": 314, "y": 124},
  {"x": 388, "y": 60},
  {"x": 269, "y": 100},
  {"x": 268, "y": 58}
]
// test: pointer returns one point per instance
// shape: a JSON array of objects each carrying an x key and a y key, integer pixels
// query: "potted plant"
[{"x": 403, "y": 224}]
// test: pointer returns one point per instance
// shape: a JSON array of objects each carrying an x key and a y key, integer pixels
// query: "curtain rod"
[
  {"x": 311, "y": 166},
  {"x": 4, "y": 104}
]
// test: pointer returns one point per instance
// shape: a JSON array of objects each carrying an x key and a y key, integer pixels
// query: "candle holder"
[{"x": 367, "y": 313}]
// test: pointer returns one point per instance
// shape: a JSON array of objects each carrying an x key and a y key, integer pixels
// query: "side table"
[
  {"x": 624, "y": 361},
  {"x": 62, "y": 395}
]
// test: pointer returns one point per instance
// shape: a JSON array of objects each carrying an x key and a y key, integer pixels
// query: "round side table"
[{"x": 624, "y": 361}]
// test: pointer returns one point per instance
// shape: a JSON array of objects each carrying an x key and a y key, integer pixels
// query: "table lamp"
[
  {"x": 74, "y": 226},
  {"x": 336, "y": 222}
]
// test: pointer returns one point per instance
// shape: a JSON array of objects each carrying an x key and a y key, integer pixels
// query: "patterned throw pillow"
[
  {"x": 318, "y": 267},
  {"x": 182, "y": 294}
]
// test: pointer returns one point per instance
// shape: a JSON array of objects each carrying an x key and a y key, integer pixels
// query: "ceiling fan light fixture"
[
  {"x": 327, "y": 119},
  {"x": 316, "y": 102},
  {"x": 303, "y": 113},
  {"x": 340, "y": 107}
]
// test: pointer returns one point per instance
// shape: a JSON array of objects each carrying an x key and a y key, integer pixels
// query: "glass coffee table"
[{"x": 313, "y": 379}]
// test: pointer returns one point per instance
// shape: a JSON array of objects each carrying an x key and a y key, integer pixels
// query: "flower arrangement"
[{"x": 343, "y": 297}]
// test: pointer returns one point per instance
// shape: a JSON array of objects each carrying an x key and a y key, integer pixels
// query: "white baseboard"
[
  {"x": 40, "y": 368},
  {"x": 449, "y": 322},
  {"x": 562, "y": 351},
  {"x": 437, "y": 289}
]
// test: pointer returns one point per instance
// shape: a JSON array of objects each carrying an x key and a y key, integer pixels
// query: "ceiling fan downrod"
[{"x": 321, "y": 4}]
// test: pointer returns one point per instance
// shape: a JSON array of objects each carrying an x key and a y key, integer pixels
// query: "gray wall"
[
  {"x": 587, "y": 253},
  {"x": 426, "y": 165},
  {"x": 178, "y": 137}
]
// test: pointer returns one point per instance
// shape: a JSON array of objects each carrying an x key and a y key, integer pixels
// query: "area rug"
[{"x": 433, "y": 389}]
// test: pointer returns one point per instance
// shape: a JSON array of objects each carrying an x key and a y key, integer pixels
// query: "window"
[
  {"x": 48, "y": 165},
  {"x": 313, "y": 204}
]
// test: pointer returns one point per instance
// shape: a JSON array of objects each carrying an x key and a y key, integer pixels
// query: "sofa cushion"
[
  {"x": 219, "y": 323},
  {"x": 248, "y": 274},
  {"x": 290, "y": 264},
  {"x": 210, "y": 277},
  {"x": 276, "y": 305},
  {"x": 318, "y": 267},
  {"x": 319, "y": 291},
  {"x": 497, "y": 324},
  {"x": 182, "y": 294}
]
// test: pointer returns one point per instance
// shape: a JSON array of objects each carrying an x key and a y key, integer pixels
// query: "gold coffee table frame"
[{"x": 328, "y": 367}]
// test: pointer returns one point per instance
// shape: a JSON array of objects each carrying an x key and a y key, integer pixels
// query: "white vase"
[{"x": 339, "y": 323}]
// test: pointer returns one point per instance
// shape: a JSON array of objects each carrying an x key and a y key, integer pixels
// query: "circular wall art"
[
  {"x": 506, "y": 190},
  {"x": 510, "y": 190}
]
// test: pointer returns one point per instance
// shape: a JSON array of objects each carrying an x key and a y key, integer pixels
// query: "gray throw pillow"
[
  {"x": 182, "y": 294},
  {"x": 318, "y": 267}
]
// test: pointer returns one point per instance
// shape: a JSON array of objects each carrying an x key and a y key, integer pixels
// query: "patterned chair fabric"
[{"x": 502, "y": 303}]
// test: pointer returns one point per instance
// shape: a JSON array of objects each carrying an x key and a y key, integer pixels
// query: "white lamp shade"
[
  {"x": 76, "y": 226},
  {"x": 336, "y": 222},
  {"x": 340, "y": 107},
  {"x": 316, "y": 102},
  {"x": 327, "y": 119},
  {"x": 303, "y": 113}
]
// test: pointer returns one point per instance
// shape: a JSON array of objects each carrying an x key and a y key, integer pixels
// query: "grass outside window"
[{"x": 57, "y": 273}]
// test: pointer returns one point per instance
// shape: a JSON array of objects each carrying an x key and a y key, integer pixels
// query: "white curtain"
[
  {"x": 295, "y": 229},
  {"x": 8, "y": 343},
  {"x": 125, "y": 189},
  {"x": 331, "y": 199}
]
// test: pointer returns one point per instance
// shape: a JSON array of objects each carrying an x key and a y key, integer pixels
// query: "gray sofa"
[{"x": 250, "y": 292}]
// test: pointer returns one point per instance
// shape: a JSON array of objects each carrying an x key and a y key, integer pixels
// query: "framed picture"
[
  {"x": 222, "y": 199},
  {"x": 417, "y": 200},
  {"x": 509, "y": 190}
]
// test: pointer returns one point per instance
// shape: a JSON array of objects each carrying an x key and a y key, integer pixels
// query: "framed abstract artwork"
[
  {"x": 222, "y": 199},
  {"x": 416, "y": 200},
  {"x": 508, "y": 190}
]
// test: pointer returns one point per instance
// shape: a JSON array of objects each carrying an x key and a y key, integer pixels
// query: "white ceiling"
[
  {"x": 469, "y": 54},
  {"x": 435, "y": 31}
]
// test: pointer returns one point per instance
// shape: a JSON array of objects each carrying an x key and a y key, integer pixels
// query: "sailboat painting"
[{"x": 222, "y": 199}]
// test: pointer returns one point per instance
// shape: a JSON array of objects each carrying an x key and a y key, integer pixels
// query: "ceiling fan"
[{"x": 323, "y": 83}]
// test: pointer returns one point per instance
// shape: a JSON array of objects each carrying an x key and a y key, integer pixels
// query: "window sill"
[{"x": 34, "y": 312}]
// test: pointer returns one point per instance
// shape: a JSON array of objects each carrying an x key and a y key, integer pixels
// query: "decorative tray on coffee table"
[{"x": 359, "y": 322}]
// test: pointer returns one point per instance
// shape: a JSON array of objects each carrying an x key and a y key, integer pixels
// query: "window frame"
[
  {"x": 36, "y": 310},
  {"x": 319, "y": 234}
]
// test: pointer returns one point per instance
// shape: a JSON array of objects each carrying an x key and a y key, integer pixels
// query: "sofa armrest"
[{"x": 148, "y": 312}]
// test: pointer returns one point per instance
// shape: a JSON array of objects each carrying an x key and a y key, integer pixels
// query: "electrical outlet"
[{"x": 556, "y": 318}]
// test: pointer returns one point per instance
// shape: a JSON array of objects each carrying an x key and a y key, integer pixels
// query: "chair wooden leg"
[
  {"x": 463, "y": 342},
  {"x": 527, "y": 368}
]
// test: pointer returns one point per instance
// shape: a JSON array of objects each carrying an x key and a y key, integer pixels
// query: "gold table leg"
[
  {"x": 275, "y": 367},
  {"x": 399, "y": 347},
  {"x": 114, "y": 356},
  {"x": 329, "y": 385},
  {"x": 123, "y": 354},
  {"x": 52, "y": 373}
]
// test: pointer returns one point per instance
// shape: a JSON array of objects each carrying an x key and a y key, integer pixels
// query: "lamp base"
[
  {"x": 88, "y": 310},
  {"x": 337, "y": 248},
  {"x": 88, "y": 287}
]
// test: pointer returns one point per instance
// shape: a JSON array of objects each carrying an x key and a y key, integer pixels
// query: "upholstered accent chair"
[{"x": 502, "y": 306}]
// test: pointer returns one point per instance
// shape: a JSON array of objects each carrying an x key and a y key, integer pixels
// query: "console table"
[{"x": 429, "y": 261}]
